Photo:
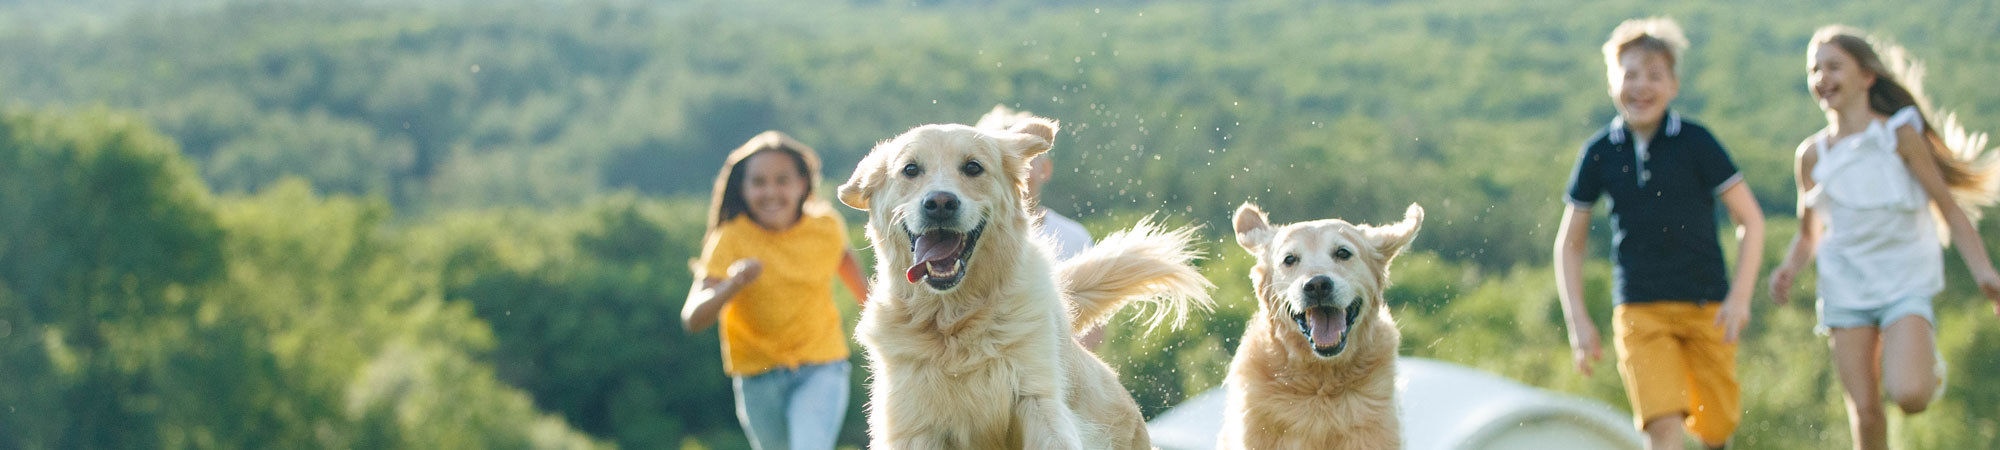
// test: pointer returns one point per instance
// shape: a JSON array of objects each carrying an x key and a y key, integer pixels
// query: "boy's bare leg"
[{"x": 1664, "y": 433}]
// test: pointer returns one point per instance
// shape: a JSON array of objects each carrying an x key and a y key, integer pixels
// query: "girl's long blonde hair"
[{"x": 1962, "y": 156}]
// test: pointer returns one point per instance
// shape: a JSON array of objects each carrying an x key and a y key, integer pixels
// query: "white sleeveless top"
[
  {"x": 1881, "y": 243},
  {"x": 1069, "y": 237}
]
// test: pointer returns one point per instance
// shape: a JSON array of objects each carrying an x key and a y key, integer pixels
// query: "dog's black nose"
[
  {"x": 940, "y": 206},
  {"x": 1319, "y": 287}
]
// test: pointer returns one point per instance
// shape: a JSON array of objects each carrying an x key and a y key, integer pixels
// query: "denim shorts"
[
  {"x": 798, "y": 408},
  {"x": 1831, "y": 317}
]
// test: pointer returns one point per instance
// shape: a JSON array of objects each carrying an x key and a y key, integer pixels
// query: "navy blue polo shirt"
[{"x": 1663, "y": 215}]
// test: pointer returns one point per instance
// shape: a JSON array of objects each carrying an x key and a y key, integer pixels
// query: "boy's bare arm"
[
  {"x": 1569, "y": 248},
  {"x": 1749, "y": 218}
]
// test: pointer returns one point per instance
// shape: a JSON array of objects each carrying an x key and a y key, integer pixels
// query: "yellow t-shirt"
[{"x": 785, "y": 317}]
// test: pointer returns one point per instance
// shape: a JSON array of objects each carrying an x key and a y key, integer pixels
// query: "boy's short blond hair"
[{"x": 1659, "y": 35}]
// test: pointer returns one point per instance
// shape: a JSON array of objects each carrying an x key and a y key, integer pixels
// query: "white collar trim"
[{"x": 1672, "y": 127}]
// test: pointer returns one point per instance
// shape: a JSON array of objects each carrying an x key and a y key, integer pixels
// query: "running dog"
[
  {"x": 970, "y": 331},
  {"x": 1317, "y": 366}
]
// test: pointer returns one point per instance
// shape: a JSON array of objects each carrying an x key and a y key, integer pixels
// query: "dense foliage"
[
  {"x": 138, "y": 311},
  {"x": 466, "y": 224}
]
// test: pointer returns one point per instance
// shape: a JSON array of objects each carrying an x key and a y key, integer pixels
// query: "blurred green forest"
[{"x": 459, "y": 224}]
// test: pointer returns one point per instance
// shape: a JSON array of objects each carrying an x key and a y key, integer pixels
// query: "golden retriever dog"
[
  {"x": 970, "y": 330},
  {"x": 1317, "y": 366}
]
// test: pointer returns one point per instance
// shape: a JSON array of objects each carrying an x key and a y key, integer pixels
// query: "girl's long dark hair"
[
  {"x": 728, "y": 202},
  {"x": 1961, "y": 156}
]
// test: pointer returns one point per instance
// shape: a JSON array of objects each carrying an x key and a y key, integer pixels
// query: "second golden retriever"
[
  {"x": 969, "y": 334},
  {"x": 1317, "y": 366}
]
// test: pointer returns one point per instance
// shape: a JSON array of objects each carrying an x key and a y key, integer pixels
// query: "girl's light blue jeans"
[{"x": 794, "y": 409}]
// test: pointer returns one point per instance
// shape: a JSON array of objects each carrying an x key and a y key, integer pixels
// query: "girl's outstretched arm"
[
  {"x": 1807, "y": 238},
  {"x": 850, "y": 274},
  {"x": 1916, "y": 152},
  {"x": 707, "y": 296}
]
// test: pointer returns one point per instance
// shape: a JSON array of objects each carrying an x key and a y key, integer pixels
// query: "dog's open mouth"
[
  {"x": 939, "y": 256},
  {"x": 1326, "y": 326}
]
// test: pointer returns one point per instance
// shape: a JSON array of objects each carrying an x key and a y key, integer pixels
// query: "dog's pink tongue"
[
  {"x": 1327, "y": 325},
  {"x": 932, "y": 247}
]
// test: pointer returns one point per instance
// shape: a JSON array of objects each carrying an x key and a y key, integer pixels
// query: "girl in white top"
[{"x": 1874, "y": 186}]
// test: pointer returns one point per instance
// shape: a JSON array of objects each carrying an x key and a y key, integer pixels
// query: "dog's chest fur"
[
  {"x": 1285, "y": 402},
  {"x": 954, "y": 366}
]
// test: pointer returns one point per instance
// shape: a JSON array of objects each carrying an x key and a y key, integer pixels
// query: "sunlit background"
[{"x": 467, "y": 224}]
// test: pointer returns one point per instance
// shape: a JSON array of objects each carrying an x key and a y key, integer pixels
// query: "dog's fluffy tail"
[{"x": 1145, "y": 263}]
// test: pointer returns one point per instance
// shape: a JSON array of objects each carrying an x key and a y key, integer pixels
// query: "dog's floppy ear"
[
  {"x": 1029, "y": 137},
  {"x": 1253, "y": 229},
  {"x": 1390, "y": 240},
  {"x": 867, "y": 176}
]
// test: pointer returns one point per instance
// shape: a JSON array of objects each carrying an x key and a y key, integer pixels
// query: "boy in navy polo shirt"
[{"x": 1677, "y": 314}]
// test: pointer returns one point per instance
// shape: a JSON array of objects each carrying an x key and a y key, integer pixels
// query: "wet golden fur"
[
  {"x": 992, "y": 362},
  {"x": 1285, "y": 396}
]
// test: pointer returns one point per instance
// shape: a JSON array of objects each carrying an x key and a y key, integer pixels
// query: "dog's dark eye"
[
  {"x": 912, "y": 170},
  {"x": 1291, "y": 260},
  {"x": 1343, "y": 253},
  {"x": 972, "y": 169}
]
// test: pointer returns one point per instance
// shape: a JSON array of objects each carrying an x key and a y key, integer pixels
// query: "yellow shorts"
[{"x": 1674, "y": 363}]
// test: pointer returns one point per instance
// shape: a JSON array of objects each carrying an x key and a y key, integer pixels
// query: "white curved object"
[{"x": 1445, "y": 406}]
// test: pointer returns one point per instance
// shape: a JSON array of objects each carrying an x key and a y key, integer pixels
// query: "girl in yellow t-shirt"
[{"x": 766, "y": 274}]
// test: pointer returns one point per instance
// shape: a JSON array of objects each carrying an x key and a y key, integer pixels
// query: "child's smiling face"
[
  {"x": 1641, "y": 87},
  {"x": 1838, "y": 82},
  {"x": 773, "y": 189}
]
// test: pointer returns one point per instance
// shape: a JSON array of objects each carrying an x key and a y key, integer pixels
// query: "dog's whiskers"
[{"x": 897, "y": 216}]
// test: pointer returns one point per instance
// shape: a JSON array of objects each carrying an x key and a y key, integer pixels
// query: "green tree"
[
  {"x": 106, "y": 236},
  {"x": 584, "y": 307},
  {"x": 152, "y": 316}
]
